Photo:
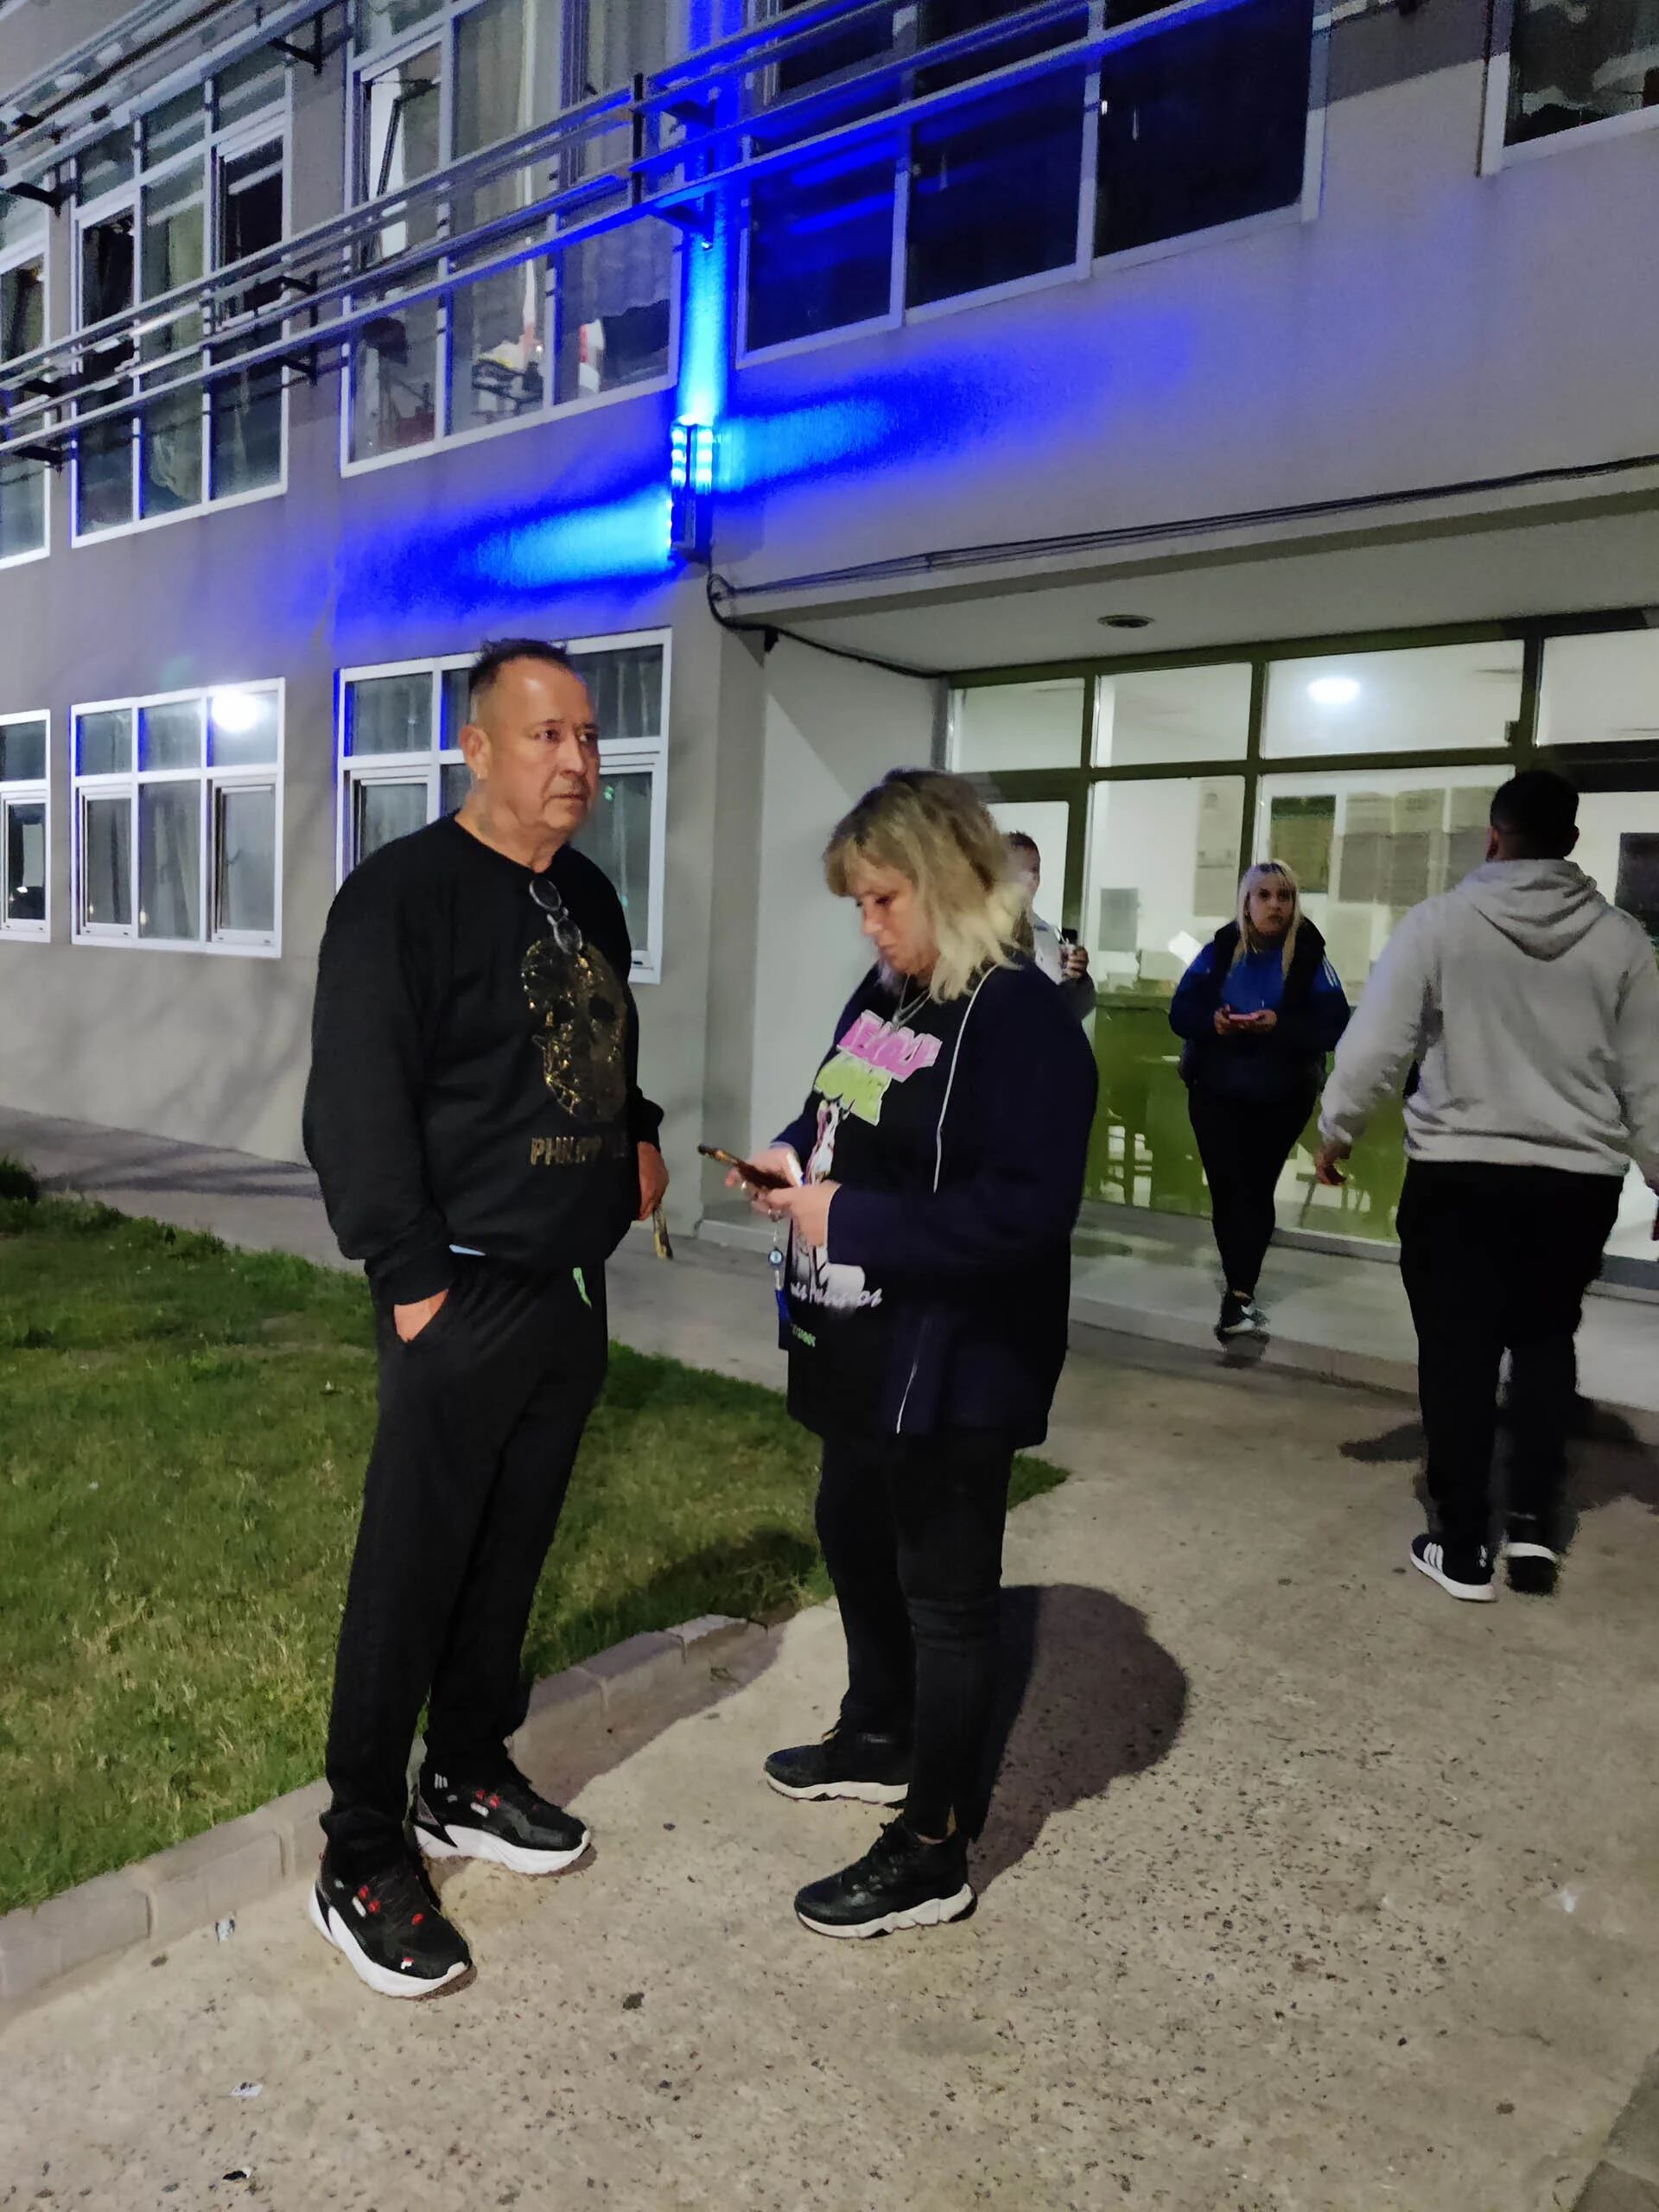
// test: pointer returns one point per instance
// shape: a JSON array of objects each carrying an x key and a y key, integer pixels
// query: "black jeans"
[
  {"x": 1244, "y": 1145},
  {"x": 1497, "y": 1259},
  {"x": 912, "y": 1530},
  {"x": 480, "y": 1416}
]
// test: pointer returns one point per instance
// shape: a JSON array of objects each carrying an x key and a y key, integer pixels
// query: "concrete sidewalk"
[
  {"x": 1137, "y": 1274},
  {"x": 1305, "y": 1891}
]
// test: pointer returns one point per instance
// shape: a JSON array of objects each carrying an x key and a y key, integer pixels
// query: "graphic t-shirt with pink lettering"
[{"x": 872, "y": 1122}]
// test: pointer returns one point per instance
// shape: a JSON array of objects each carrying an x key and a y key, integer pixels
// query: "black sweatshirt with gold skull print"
[{"x": 474, "y": 1071}]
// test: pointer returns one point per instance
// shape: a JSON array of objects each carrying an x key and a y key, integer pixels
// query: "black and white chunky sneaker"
[
  {"x": 1461, "y": 1574},
  {"x": 900, "y": 1882},
  {"x": 502, "y": 1820},
  {"x": 872, "y": 1769},
  {"x": 391, "y": 1928},
  {"x": 1532, "y": 1566}
]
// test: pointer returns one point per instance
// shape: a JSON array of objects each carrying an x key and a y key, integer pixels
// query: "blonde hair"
[
  {"x": 934, "y": 829},
  {"x": 1248, "y": 939}
]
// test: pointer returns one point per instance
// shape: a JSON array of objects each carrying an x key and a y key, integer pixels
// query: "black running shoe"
[
  {"x": 1460, "y": 1575},
  {"x": 1531, "y": 1565},
  {"x": 900, "y": 1882},
  {"x": 849, "y": 1763},
  {"x": 1240, "y": 1317},
  {"x": 503, "y": 1820},
  {"x": 391, "y": 1928}
]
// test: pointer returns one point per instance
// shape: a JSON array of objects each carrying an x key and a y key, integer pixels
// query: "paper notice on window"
[
  {"x": 1348, "y": 933},
  {"x": 1363, "y": 862},
  {"x": 1215, "y": 875},
  {"x": 1468, "y": 818},
  {"x": 1414, "y": 847},
  {"x": 1301, "y": 833}
]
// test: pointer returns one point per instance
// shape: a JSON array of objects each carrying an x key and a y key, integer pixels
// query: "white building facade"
[{"x": 1226, "y": 429}]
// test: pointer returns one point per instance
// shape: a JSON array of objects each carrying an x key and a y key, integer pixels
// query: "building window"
[
  {"x": 1205, "y": 125},
  {"x": 433, "y": 84},
  {"x": 23, "y": 328},
  {"x": 197, "y": 185},
  {"x": 1199, "y": 125},
  {"x": 177, "y": 809},
  {"x": 24, "y": 813},
  {"x": 401, "y": 766},
  {"x": 1419, "y": 699},
  {"x": 1574, "y": 62},
  {"x": 1600, "y": 689},
  {"x": 994, "y": 186}
]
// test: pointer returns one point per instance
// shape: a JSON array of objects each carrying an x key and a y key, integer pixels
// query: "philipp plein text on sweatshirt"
[{"x": 472, "y": 1084}]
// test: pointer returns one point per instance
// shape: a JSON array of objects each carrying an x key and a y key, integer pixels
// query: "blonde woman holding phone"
[
  {"x": 1258, "y": 1011},
  {"x": 930, "y": 1187}
]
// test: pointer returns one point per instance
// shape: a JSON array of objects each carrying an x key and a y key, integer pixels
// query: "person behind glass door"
[
  {"x": 1257, "y": 1011},
  {"x": 933, "y": 1181},
  {"x": 1062, "y": 961}
]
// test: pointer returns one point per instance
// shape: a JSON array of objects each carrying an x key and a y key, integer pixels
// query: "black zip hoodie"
[{"x": 471, "y": 1084}]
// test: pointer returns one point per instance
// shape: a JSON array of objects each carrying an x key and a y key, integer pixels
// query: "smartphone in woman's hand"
[{"x": 758, "y": 1179}]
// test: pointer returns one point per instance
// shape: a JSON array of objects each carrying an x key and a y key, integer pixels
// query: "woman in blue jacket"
[
  {"x": 1258, "y": 1009},
  {"x": 936, "y": 1173}
]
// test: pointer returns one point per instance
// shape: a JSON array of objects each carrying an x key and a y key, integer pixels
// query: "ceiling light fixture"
[{"x": 1333, "y": 690}]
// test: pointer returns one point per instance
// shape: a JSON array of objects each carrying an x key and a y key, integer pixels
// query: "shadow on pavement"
[
  {"x": 1086, "y": 1697},
  {"x": 564, "y": 1751},
  {"x": 1608, "y": 1460}
]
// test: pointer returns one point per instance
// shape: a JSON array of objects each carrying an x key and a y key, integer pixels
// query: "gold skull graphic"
[{"x": 580, "y": 1013}]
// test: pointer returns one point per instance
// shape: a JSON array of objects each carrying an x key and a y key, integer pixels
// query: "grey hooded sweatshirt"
[{"x": 1531, "y": 1009}]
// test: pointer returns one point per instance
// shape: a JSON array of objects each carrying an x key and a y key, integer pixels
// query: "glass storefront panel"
[
  {"x": 1163, "y": 852},
  {"x": 1047, "y": 821},
  {"x": 1600, "y": 690},
  {"x": 1016, "y": 726},
  {"x": 1150, "y": 715},
  {"x": 1366, "y": 848},
  {"x": 1163, "y": 878},
  {"x": 1618, "y": 845},
  {"x": 1423, "y": 699}
]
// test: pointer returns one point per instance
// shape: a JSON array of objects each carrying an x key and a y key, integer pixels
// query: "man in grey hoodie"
[{"x": 1530, "y": 1008}]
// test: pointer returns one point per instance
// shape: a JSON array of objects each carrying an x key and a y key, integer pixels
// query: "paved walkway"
[
  {"x": 1305, "y": 1891},
  {"x": 1138, "y": 1275}
]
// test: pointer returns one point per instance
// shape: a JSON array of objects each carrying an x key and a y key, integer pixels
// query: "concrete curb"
[
  {"x": 1627, "y": 2179},
  {"x": 650, "y": 1678}
]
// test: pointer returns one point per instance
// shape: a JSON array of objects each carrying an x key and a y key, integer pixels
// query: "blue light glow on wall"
[{"x": 624, "y": 536}]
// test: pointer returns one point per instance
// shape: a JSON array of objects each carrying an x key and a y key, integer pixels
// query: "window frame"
[
  {"x": 1495, "y": 152},
  {"x": 617, "y": 756},
  {"x": 440, "y": 26},
  {"x": 264, "y": 775},
  {"x": 1618, "y": 765},
  {"x": 220, "y": 143},
  {"x": 26, "y": 790},
  {"x": 1086, "y": 262},
  {"x": 19, "y": 257}
]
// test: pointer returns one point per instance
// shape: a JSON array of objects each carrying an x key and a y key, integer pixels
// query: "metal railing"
[{"x": 699, "y": 130}]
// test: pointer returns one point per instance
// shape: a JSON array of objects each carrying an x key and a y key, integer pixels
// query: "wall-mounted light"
[
  {"x": 691, "y": 485},
  {"x": 1333, "y": 690}
]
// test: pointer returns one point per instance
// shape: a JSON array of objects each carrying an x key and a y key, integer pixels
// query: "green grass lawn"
[{"x": 181, "y": 1448}]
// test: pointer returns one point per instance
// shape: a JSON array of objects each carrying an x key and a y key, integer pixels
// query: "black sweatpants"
[
  {"x": 1244, "y": 1146},
  {"x": 480, "y": 1415},
  {"x": 912, "y": 1530},
  {"x": 1497, "y": 1259}
]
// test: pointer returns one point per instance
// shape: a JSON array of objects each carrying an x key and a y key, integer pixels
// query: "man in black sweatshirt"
[{"x": 474, "y": 1116}]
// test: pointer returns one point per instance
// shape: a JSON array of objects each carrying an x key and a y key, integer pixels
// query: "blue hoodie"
[
  {"x": 957, "y": 1136},
  {"x": 1288, "y": 1061}
]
